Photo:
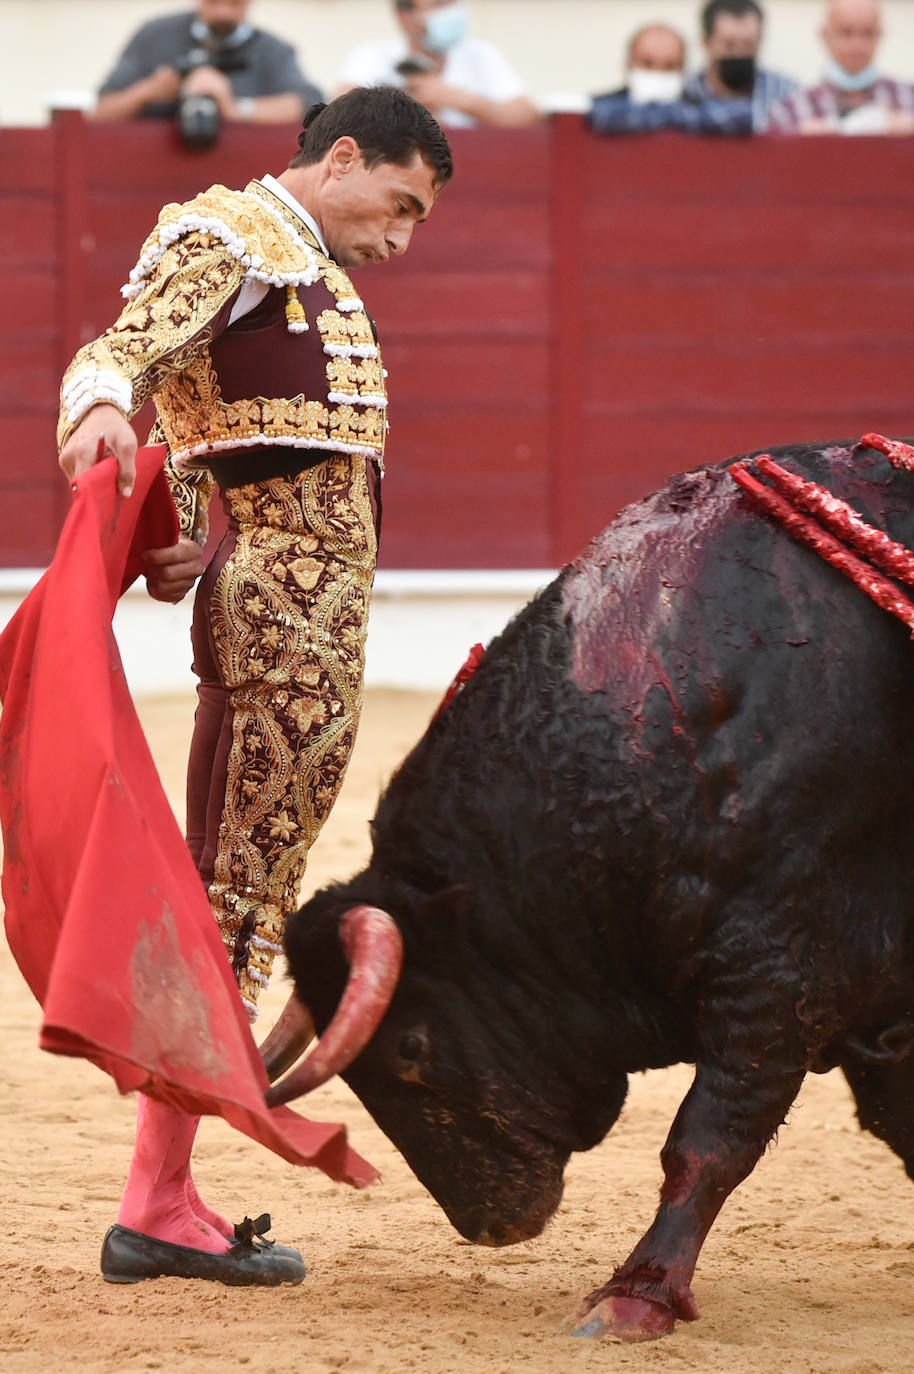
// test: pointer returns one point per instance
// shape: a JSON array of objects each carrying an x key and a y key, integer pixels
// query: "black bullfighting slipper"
[
  {"x": 255, "y": 1231},
  {"x": 129, "y": 1256}
]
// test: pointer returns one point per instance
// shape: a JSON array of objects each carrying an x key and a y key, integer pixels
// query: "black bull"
[{"x": 670, "y": 819}]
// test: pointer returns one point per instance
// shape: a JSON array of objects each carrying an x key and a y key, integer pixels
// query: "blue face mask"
[
  {"x": 226, "y": 36},
  {"x": 444, "y": 27},
  {"x": 835, "y": 75}
]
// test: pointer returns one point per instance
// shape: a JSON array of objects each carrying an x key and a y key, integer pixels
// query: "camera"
[
  {"x": 198, "y": 118},
  {"x": 414, "y": 65},
  {"x": 199, "y": 121}
]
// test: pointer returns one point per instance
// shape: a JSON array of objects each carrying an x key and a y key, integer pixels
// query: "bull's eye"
[{"x": 411, "y": 1047}]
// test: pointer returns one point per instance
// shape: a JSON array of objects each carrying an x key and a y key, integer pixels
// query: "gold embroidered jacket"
[{"x": 301, "y": 370}]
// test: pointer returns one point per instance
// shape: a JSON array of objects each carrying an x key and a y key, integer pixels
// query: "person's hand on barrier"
[
  {"x": 173, "y": 571},
  {"x": 104, "y": 431}
]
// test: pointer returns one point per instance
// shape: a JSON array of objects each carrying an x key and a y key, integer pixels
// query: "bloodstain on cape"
[{"x": 106, "y": 915}]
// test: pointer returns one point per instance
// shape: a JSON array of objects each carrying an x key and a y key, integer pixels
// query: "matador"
[{"x": 244, "y": 328}]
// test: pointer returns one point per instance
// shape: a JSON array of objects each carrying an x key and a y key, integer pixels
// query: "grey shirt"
[{"x": 261, "y": 65}]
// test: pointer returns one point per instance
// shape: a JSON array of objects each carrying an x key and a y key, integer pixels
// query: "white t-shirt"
[{"x": 473, "y": 64}]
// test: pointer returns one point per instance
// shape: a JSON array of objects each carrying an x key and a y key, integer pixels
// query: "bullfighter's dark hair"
[
  {"x": 738, "y": 8},
  {"x": 386, "y": 123}
]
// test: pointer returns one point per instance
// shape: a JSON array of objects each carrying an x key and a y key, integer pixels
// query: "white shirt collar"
[{"x": 280, "y": 191}]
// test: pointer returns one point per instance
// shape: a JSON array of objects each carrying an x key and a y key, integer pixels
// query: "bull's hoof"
[{"x": 626, "y": 1319}]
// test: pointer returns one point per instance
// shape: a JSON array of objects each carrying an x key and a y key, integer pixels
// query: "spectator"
[
  {"x": 212, "y": 53},
  {"x": 853, "y": 98},
  {"x": 653, "y": 49},
  {"x": 652, "y": 97},
  {"x": 462, "y": 80},
  {"x": 732, "y": 36}
]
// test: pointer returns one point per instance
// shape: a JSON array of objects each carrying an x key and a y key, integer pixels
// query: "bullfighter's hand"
[
  {"x": 173, "y": 571},
  {"x": 102, "y": 432}
]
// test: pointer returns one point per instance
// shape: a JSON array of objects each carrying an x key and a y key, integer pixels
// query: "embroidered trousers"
[{"x": 279, "y": 637}]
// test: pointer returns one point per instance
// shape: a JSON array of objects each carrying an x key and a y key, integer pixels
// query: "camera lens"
[{"x": 198, "y": 120}]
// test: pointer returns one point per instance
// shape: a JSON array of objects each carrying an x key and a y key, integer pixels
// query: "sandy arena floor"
[{"x": 810, "y": 1270}]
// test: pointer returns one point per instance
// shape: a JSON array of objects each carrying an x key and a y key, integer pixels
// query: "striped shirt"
[
  {"x": 616, "y": 113},
  {"x": 769, "y": 90},
  {"x": 827, "y": 102}
]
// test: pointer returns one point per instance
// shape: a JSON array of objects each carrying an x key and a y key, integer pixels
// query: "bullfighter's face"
[{"x": 369, "y": 214}]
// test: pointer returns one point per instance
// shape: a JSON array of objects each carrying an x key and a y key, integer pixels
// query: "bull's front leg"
[{"x": 717, "y": 1138}]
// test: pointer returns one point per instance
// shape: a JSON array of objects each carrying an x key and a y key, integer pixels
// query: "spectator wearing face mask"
[
  {"x": 211, "y": 52},
  {"x": 462, "y": 80},
  {"x": 732, "y": 36},
  {"x": 652, "y": 98},
  {"x": 853, "y": 98}
]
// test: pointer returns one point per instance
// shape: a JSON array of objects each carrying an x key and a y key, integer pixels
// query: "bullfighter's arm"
[{"x": 183, "y": 304}]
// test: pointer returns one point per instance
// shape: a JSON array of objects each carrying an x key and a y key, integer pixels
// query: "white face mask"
[
  {"x": 647, "y": 87},
  {"x": 444, "y": 27}
]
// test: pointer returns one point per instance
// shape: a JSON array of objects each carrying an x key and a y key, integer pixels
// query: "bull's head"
[{"x": 422, "y": 1053}]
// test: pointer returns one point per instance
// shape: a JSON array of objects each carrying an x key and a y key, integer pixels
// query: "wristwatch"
[{"x": 245, "y": 105}]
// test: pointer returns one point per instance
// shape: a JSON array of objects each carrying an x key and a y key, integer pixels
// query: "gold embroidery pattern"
[
  {"x": 356, "y": 377},
  {"x": 193, "y": 262},
  {"x": 352, "y": 329},
  {"x": 337, "y": 282},
  {"x": 289, "y": 616},
  {"x": 264, "y": 240},
  {"x": 263, "y": 193},
  {"x": 297, "y": 422},
  {"x": 160, "y": 333},
  {"x": 197, "y": 422},
  {"x": 190, "y": 491}
]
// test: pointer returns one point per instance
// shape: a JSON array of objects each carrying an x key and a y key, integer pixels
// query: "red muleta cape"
[{"x": 106, "y": 915}]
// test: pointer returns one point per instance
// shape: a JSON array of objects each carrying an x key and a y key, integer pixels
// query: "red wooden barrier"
[{"x": 580, "y": 318}]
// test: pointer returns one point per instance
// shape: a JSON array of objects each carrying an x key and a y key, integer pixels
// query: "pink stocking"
[
  {"x": 156, "y": 1200},
  {"x": 204, "y": 1213}
]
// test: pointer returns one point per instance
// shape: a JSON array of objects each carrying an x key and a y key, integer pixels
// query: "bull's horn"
[
  {"x": 374, "y": 948},
  {"x": 288, "y": 1039}
]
